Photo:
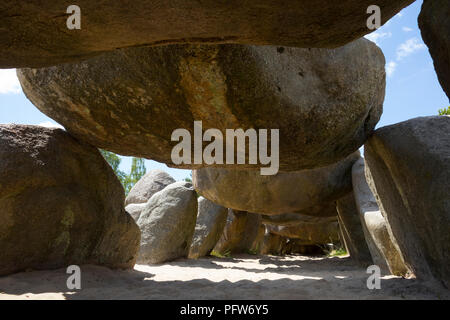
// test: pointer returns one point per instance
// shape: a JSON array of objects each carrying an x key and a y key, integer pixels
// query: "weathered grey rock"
[
  {"x": 211, "y": 220},
  {"x": 324, "y": 102},
  {"x": 410, "y": 166},
  {"x": 35, "y": 33},
  {"x": 61, "y": 204},
  {"x": 148, "y": 185},
  {"x": 135, "y": 209},
  {"x": 350, "y": 224},
  {"x": 382, "y": 246},
  {"x": 240, "y": 232},
  {"x": 306, "y": 191},
  {"x": 434, "y": 25},
  {"x": 167, "y": 224},
  {"x": 325, "y": 231}
]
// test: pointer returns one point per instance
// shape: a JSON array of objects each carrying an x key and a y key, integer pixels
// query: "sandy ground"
[{"x": 240, "y": 277}]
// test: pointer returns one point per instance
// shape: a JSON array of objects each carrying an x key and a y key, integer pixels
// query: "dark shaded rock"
[
  {"x": 409, "y": 163},
  {"x": 323, "y": 232},
  {"x": 130, "y": 101},
  {"x": 434, "y": 25},
  {"x": 240, "y": 233},
  {"x": 61, "y": 204},
  {"x": 34, "y": 33}
]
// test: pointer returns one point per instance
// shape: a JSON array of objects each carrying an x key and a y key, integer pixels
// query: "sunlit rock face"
[
  {"x": 309, "y": 192},
  {"x": 324, "y": 102}
]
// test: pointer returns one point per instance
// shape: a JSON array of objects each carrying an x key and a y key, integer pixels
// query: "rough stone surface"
[
  {"x": 167, "y": 224},
  {"x": 294, "y": 219},
  {"x": 325, "y": 231},
  {"x": 410, "y": 166},
  {"x": 350, "y": 224},
  {"x": 148, "y": 185},
  {"x": 259, "y": 240},
  {"x": 324, "y": 102},
  {"x": 434, "y": 25},
  {"x": 211, "y": 220},
  {"x": 272, "y": 243},
  {"x": 61, "y": 204},
  {"x": 135, "y": 210},
  {"x": 240, "y": 232},
  {"x": 35, "y": 33},
  {"x": 382, "y": 246},
  {"x": 306, "y": 191}
]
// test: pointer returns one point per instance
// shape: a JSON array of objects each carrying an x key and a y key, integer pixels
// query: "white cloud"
[
  {"x": 409, "y": 47},
  {"x": 49, "y": 124},
  {"x": 9, "y": 82},
  {"x": 377, "y": 36},
  {"x": 390, "y": 68},
  {"x": 407, "y": 29}
]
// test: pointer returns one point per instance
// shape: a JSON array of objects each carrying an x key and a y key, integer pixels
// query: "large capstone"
[
  {"x": 324, "y": 102},
  {"x": 36, "y": 33}
]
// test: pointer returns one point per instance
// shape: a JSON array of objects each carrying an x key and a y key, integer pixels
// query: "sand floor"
[{"x": 240, "y": 277}]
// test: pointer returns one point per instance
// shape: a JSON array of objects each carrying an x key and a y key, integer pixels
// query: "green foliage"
[
  {"x": 338, "y": 252},
  {"x": 445, "y": 111},
  {"x": 112, "y": 158},
  {"x": 216, "y": 254},
  {"x": 137, "y": 171}
]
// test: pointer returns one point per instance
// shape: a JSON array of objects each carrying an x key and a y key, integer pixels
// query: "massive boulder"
[
  {"x": 168, "y": 223},
  {"x": 240, "y": 233},
  {"x": 35, "y": 33},
  {"x": 434, "y": 25},
  {"x": 307, "y": 191},
  {"x": 322, "y": 232},
  {"x": 383, "y": 247},
  {"x": 61, "y": 204},
  {"x": 352, "y": 230},
  {"x": 410, "y": 166},
  {"x": 324, "y": 102},
  {"x": 211, "y": 220},
  {"x": 148, "y": 185}
]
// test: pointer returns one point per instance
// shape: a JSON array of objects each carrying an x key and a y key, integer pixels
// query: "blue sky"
[{"x": 412, "y": 87}]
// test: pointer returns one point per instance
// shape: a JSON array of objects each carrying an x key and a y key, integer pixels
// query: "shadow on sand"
[{"x": 241, "y": 277}]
